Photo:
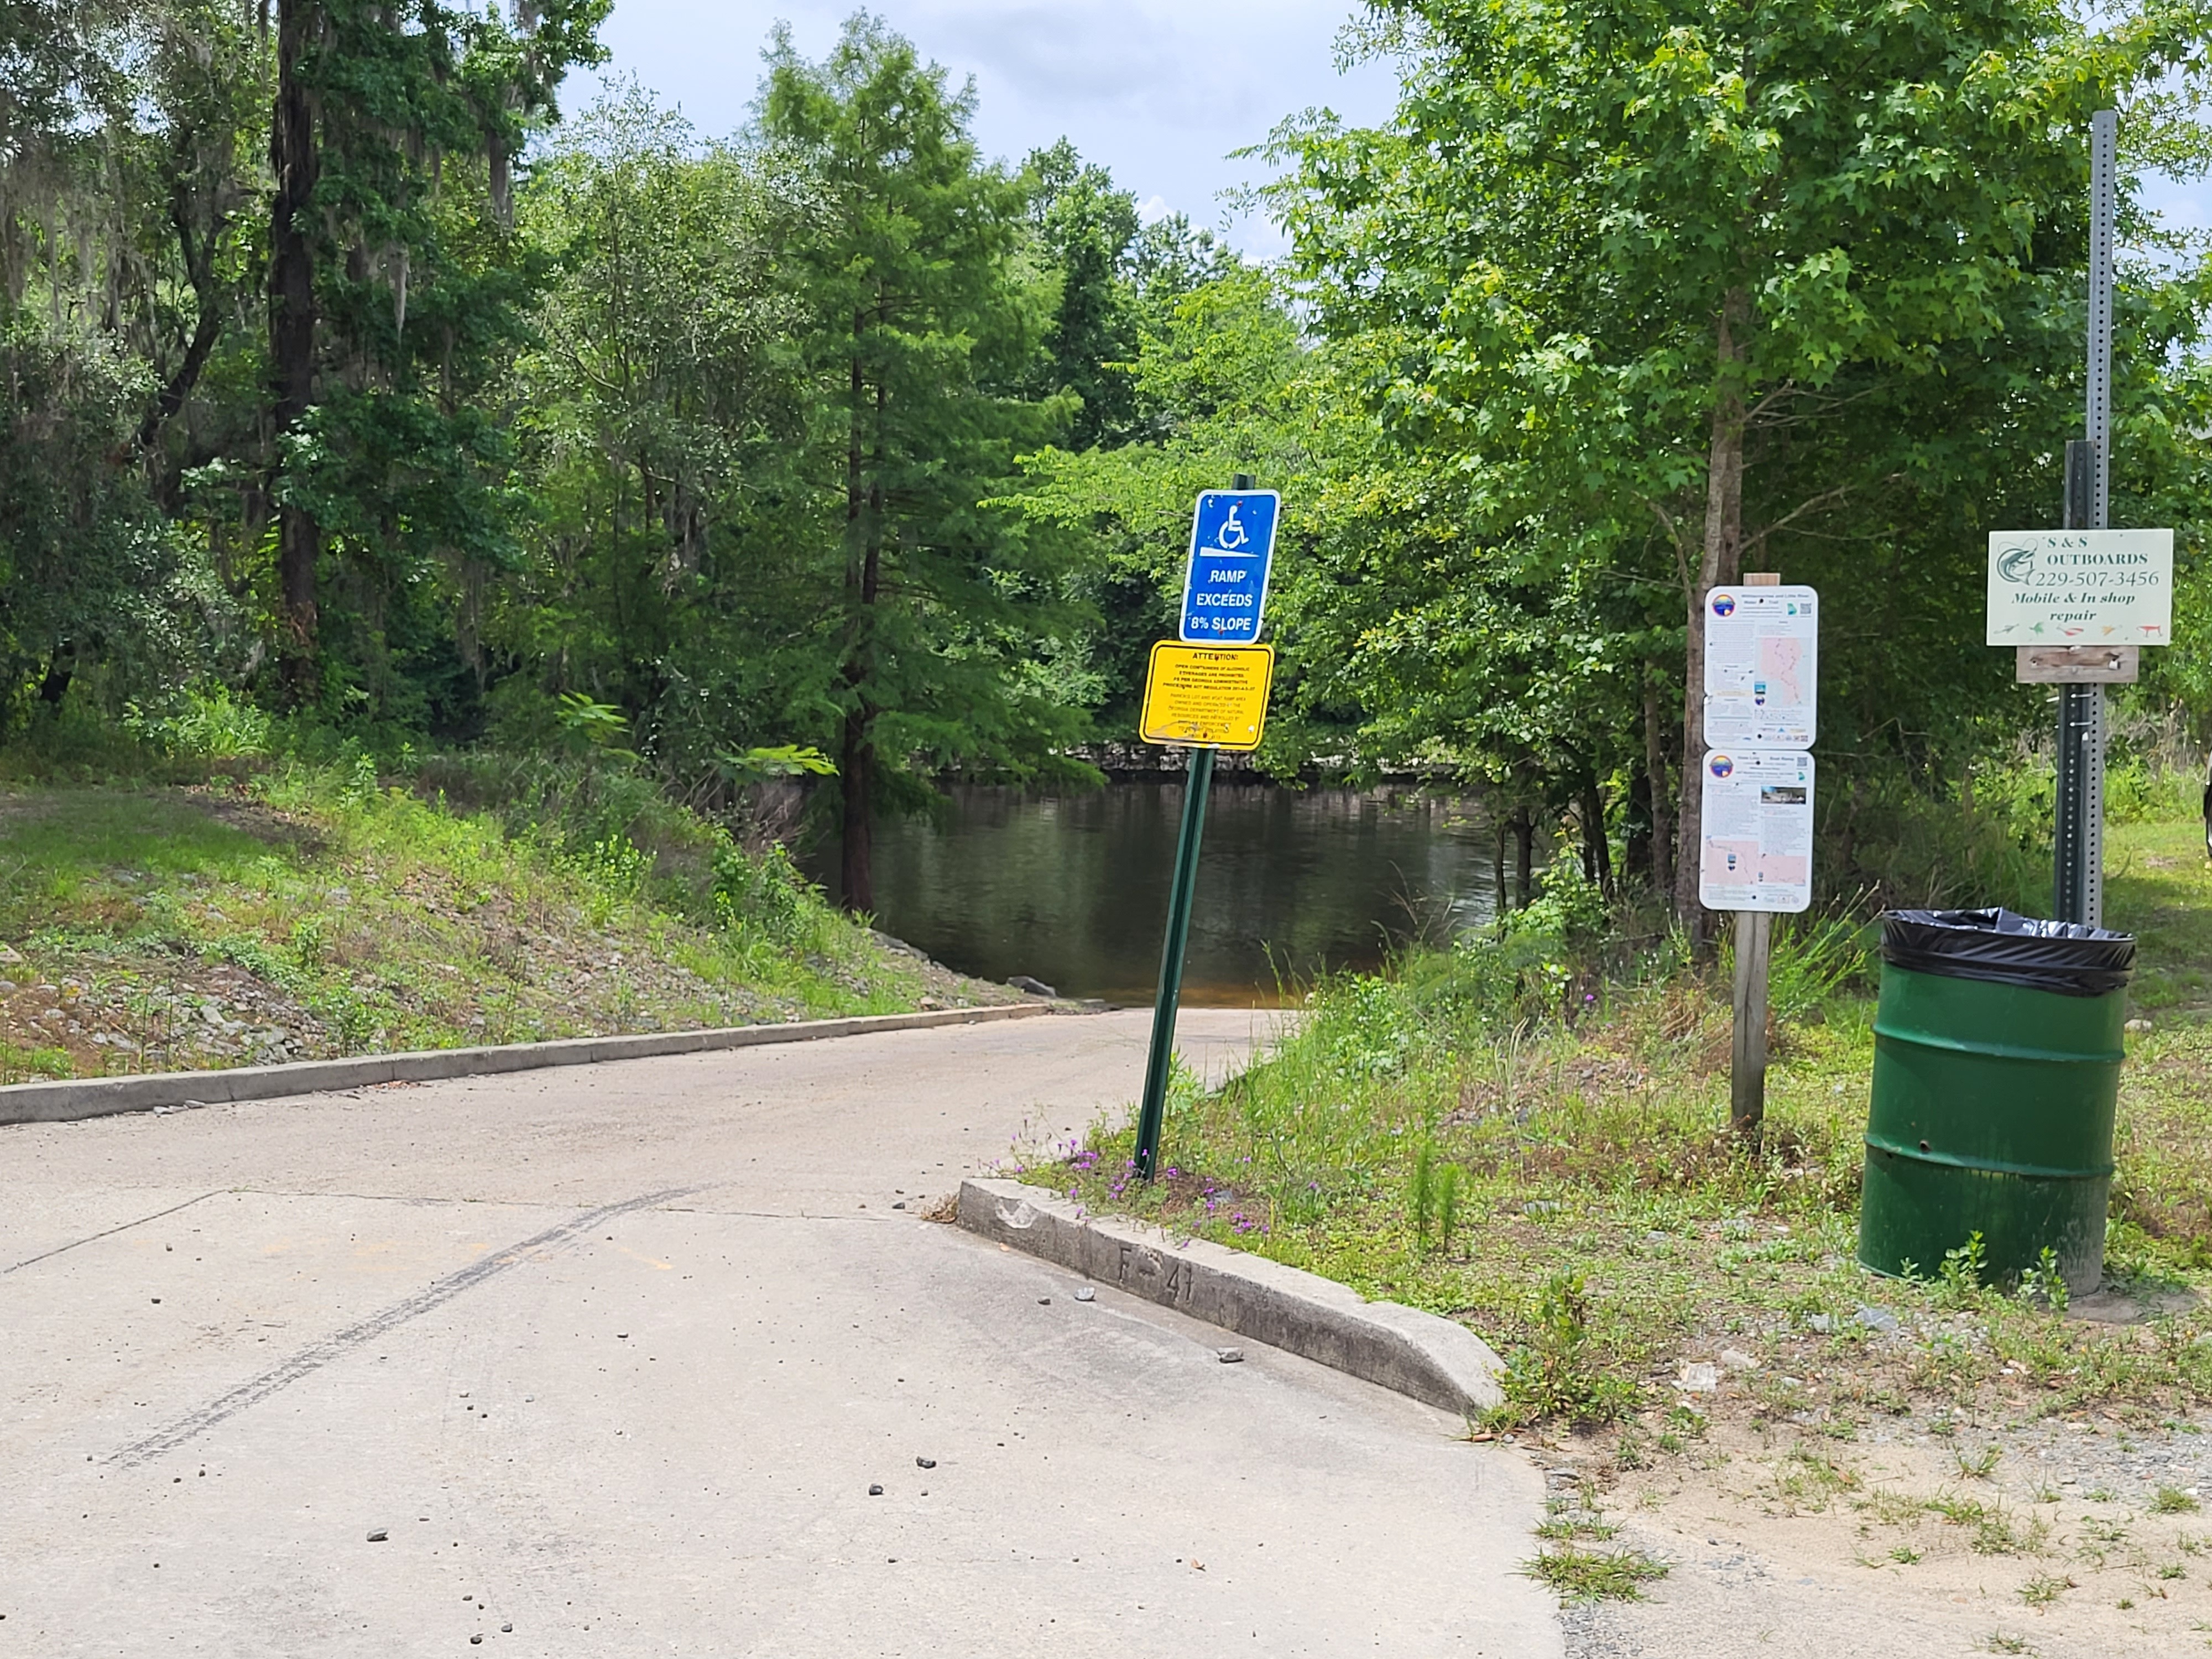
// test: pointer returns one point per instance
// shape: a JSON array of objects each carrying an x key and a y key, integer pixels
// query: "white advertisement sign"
[
  {"x": 1762, "y": 667},
  {"x": 1757, "y": 851},
  {"x": 2080, "y": 588}
]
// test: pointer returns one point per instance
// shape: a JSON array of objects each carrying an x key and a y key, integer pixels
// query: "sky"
[{"x": 1158, "y": 92}]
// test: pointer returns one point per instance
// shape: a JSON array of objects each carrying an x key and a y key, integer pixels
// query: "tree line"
[{"x": 346, "y": 368}]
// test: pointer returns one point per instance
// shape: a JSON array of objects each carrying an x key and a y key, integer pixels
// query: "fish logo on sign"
[{"x": 2015, "y": 564}]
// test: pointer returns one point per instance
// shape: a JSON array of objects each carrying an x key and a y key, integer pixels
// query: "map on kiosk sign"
[
  {"x": 1762, "y": 667},
  {"x": 1201, "y": 696},
  {"x": 2080, "y": 588},
  {"x": 1756, "y": 831}
]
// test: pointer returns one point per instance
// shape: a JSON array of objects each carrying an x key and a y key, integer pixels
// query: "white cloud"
[{"x": 1158, "y": 92}]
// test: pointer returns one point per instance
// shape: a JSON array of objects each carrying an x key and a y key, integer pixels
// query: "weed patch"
[{"x": 1580, "y": 1576}]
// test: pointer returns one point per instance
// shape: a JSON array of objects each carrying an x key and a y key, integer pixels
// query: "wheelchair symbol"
[{"x": 1231, "y": 537}]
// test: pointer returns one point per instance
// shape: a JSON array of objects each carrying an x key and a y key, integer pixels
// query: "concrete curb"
[
  {"x": 1421, "y": 1354},
  {"x": 100, "y": 1096}
]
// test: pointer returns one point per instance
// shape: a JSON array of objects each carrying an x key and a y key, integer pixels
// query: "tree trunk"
[
  {"x": 1723, "y": 549},
  {"x": 863, "y": 572},
  {"x": 198, "y": 254},
  {"x": 1636, "y": 828},
  {"x": 292, "y": 322},
  {"x": 1655, "y": 768},
  {"x": 1597, "y": 852},
  {"x": 855, "y": 840},
  {"x": 61, "y": 669},
  {"x": 1497, "y": 866},
  {"x": 1524, "y": 855}
]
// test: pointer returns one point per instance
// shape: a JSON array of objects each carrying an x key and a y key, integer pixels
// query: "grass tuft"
[{"x": 1580, "y": 1576}]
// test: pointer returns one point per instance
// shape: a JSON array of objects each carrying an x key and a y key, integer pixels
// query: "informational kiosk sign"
[
  {"x": 1757, "y": 823},
  {"x": 1207, "y": 697},
  {"x": 2080, "y": 588},
  {"x": 1232, "y": 544},
  {"x": 1762, "y": 667}
]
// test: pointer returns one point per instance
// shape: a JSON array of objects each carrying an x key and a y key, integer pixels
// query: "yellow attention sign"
[{"x": 1207, "y": 697}]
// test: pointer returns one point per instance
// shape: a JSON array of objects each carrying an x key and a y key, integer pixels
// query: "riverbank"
[
  {"x": 303, "y": 913},
  {"x": 1680, "y": 1319}
]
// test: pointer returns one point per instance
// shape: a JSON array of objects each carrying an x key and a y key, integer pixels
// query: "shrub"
[{"x": 208, "y": 722}]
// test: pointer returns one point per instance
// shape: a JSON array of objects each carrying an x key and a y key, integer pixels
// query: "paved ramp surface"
[{"x": 611, "y": 1357}]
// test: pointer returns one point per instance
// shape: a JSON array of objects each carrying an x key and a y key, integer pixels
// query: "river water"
[{"x": 1072, "y": 888}]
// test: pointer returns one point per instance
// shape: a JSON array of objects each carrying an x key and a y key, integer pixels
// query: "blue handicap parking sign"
[{"x": 1232, "y": 542}]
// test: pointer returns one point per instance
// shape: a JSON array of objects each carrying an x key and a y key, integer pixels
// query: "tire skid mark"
[{"x": 316, "y": 1355}]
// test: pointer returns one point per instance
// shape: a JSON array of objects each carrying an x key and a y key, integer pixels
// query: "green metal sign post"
[{"x": 1198, "y": 784}]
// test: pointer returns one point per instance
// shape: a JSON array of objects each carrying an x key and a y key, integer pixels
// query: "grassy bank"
[
  {"x": 298, "y": 911},
  {"x": 1562, "y": 1182}
]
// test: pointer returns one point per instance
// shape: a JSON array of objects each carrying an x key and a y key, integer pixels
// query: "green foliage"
[
  {"x": 1960, "y": 1280},
  {"x": 206, "y": 722},
  {"x": 600, "y": 724},
  {"x": 2045, "y": 1283},
  {"x": 783, "y": 760},
  {"x": 1604, "y": 257},
  {"x": 1559, "y": 1372},
  {"x": 765, "y": 892},
  {"x": 1811, "y": 960}
]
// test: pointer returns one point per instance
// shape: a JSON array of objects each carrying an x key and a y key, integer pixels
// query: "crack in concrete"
[
  {"x": 316, "y": 1355},
  {"x": 121, "y": 1227}
]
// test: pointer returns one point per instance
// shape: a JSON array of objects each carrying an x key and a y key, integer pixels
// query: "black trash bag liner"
[{"x": 2005, "y": 948}]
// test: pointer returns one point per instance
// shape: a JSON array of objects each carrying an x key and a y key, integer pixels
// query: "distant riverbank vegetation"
[{"x": 367, "y": 400}]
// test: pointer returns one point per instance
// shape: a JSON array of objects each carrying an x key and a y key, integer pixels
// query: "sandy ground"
[{"x": 1910, "y": 1540}]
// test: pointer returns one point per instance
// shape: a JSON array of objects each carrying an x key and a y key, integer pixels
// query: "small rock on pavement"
[
  {"x": 1698, "y": 1377},
  {"x": 875, "y": 1492},
  {"x": 379, "y": 1535},
  {"x": 1229, "y": 1356},
  {"x": 1034, "y": 988},
  {"x": 925, "y": 1462},
  {"x": 1086, "y": 1294}
]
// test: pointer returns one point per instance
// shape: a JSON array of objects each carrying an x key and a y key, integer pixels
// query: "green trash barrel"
[{"x": 1997, "y": 1070}]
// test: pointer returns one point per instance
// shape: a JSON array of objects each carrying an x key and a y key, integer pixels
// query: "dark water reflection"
[{"x": 1072, "y": 888}]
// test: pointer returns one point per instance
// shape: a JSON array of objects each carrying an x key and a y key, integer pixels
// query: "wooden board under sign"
[{"x": 2078, "y": 664}]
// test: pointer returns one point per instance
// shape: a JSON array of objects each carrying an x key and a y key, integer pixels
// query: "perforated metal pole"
[
  {"x": 2080, "y": 843},
  {"x": 2072, "y": 855}
]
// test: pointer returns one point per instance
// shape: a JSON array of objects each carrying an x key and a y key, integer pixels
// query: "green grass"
[
  {"x": 1578, "y": 1575},
  {"x": 302, "y": 911},
  {"x": 1605, "y": 1227}
]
